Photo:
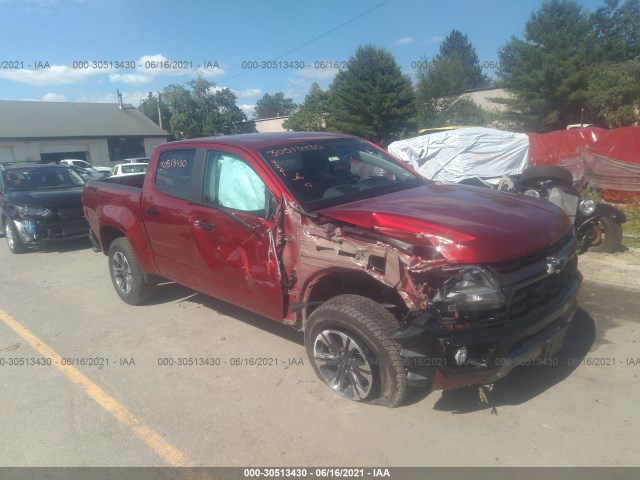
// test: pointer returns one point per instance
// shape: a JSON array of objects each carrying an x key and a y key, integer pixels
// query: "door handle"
[
  {"x": 153, "y": 212},
  {"x": 203, "y": 225}
]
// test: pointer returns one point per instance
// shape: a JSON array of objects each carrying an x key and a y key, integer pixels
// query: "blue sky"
[{"x": 224, "y": 36}]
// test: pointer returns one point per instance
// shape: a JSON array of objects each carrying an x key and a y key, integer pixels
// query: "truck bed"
[{"x": 113, "y": 201}]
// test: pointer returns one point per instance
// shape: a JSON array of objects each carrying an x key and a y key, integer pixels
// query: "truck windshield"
[{"x": 330, "y": 172}]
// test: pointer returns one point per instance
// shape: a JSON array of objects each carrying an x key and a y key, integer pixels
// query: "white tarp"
[{"x": 456, "y": 155}]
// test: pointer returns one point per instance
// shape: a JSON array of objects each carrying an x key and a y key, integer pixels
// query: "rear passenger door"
[{"x": 167, "y": 208}]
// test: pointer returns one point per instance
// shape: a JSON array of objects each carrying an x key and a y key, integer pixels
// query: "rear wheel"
[
  {"x": 350, "y": 345},
  {"x": 127, "y": 276},
  {"x": 15, "y": 243},
  {"x": 607, "y": 235}
]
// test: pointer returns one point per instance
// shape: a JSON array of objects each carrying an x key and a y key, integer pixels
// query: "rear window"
[{"x": 173, "y": 174}]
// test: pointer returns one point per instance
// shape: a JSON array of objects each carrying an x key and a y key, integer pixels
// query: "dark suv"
[{"x": 40, "y": 203}]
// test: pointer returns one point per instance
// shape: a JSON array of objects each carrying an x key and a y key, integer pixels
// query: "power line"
[{"x": 351, "y": 20}]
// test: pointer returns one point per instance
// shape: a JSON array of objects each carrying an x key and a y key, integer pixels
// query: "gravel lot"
[{"x": 582, "y": 413}]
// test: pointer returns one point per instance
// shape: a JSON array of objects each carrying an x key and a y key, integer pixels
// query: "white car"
[
  {"x": 128, "y": 169},
  {"x": 136, "y": 160},
  {"x": 74, "y": 162}
]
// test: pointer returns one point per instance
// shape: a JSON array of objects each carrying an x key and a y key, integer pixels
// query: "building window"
[{"x": 125, "y": 147}]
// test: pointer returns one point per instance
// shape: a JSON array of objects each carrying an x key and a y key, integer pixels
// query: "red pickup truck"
[{"x": 395, "y": 280}]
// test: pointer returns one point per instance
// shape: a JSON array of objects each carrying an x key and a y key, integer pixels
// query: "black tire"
[
  {"x": 15, "y": 243},
  {"x": 350, "y": 345},
  {"x": 539, "y": 173},
  {"x": 607, "y": 236},
  {"x": 127, "y": 276}
]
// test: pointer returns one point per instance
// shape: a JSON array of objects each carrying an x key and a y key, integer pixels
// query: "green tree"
[
  {"x": 149, "y": 107},
  {"x": 616, "y": 32},
  {"x": 276, "y": 105},
  {"x": 442, "y": 81},
  {"x": 202, "y": 110},
  {"x": 614, "y": 64},
  {"x": 311, "y": 114},
  {"x": 372, "y": 98},
  {"x": 614, "y": 93},
  {"x": 546, "y": 70}
]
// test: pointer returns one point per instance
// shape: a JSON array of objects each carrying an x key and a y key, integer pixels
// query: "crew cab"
[
  {"x": 395, "y": 280},
  {"x": 40, "y": 203}
]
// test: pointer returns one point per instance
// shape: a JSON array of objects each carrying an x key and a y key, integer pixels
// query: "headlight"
[
  {"x": 470, "y": 288},
  {"x": 33, "y": 212},
  {"x": 532, "y": 193},
  {"x": 587, "y": 206}
]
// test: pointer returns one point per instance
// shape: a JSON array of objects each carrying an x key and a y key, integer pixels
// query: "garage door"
[
  {"x": 6, "y": 155},
  {"x": 56, "y": 152}
]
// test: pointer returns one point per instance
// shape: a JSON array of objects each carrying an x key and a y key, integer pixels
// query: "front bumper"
[
  {"x": 428, "y": 348},
  {"x": 33, "y": 231}
]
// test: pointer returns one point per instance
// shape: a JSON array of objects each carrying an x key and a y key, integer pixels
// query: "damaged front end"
[
  {"x": 485, "y": 320},
  {"x": 459, "y": 324}
]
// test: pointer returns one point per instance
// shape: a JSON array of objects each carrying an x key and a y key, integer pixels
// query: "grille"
[
  {"x": 515, "y": 277},
  {"x": 71, "y": 213},
  {"x": 543, "y": 292}
]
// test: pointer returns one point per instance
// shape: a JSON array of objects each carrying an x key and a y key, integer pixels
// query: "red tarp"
[
  {"x": 608, "y": 159},
  {"x": 551, "y": 148}
]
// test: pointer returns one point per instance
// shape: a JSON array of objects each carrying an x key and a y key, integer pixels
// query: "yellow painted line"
[{"x": 168, "y": 452}]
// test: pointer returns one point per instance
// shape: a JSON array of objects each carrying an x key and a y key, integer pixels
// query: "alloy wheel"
[
  {"x": 343, "y": 364},
  {"x": 121, "y": 272}
]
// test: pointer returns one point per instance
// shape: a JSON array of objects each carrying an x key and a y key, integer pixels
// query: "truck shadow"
[
  {"x": 525, "y": 382},
  {"x": 173, "y": 292},
  {"x": 520, "y": 386}
]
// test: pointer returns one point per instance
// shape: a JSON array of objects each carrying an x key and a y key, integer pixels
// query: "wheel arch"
[{"x": 330, "y": 283}]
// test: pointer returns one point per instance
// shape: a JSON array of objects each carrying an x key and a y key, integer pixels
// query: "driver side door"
[{"x": 233, "y": 230}]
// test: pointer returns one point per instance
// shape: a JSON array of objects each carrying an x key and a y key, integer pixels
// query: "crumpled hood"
[
  {"x": 465, "y": 224},
  {"x": 52, "y": 199}
]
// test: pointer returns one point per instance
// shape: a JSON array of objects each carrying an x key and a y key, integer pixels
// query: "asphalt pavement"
[{"x": 88, "y": 380}]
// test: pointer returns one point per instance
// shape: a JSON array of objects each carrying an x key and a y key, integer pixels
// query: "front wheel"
[
  {"x": 15, "y": 243},
  {"x": 350, "y": 345},
  {"x": 606, "y": 235},
  {"x": 127, "y": 276}
]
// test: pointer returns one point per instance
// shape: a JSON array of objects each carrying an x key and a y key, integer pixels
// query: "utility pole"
[{"x": 159, "y": 113}]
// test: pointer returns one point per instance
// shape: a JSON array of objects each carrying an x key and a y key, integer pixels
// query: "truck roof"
[{"x": 256, "y": 141}]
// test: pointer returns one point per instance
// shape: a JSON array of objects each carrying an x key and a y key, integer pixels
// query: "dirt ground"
[{"x": 616, "y": 269}]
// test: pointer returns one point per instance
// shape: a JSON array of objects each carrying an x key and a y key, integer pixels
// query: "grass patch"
[{"x": 631, "y": 229}]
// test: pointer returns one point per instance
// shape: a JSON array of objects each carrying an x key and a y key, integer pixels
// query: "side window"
[
  {"x": 229, "y": 182},
  {"x": 173, "y": 174}
]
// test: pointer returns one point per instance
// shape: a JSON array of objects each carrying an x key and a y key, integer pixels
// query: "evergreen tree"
[
  {"x": 443, "y": 80},
  {"x": 276, "y": 105},
  {"x": 614, "y": 94},
  {"x": 546, "y": 70},
  {"x": 372, "y": 98}
]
